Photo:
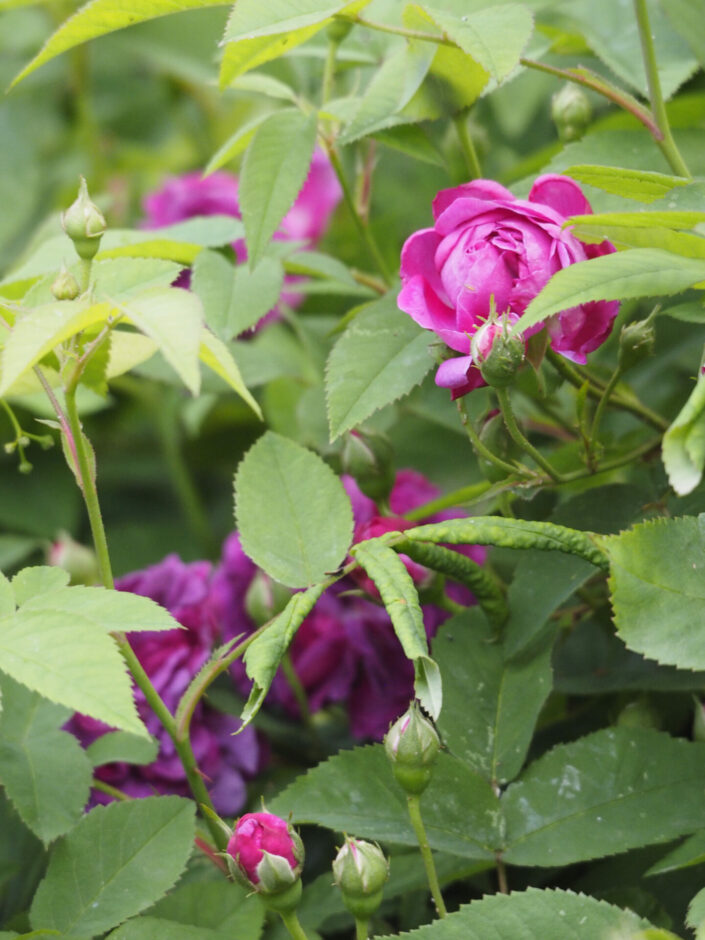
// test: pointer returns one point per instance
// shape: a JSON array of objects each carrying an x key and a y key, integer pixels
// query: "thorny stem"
[
  {"x": 362, "y": 228},
  {"x": 481, "y": 448},
  {"x": 601, "y": 406},
  {"x": 519, "y": 438},
  {"x": 414, "y": 805},
  {"x": 467, "y": 146},
  {"x": 658, "y": 108},
  {"x": 564, "y": 368}
]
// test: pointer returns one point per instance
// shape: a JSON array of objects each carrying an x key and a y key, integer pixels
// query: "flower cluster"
[
  {"x": 184, "y": 197},
  {"x": 489, "y": 251}
]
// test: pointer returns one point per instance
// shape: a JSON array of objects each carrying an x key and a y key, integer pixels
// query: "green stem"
[
  {"x": 414, "y": 804},
  {"x": 297, "y": 688},
  {"x": 658, "y": 106},
  {"x": 464, "y": 495},
  {"x": 501, "y": 875},
  {"x": 293, "y": 925},
  {"x": 362, "y": 228},
  {"x": 467, "y": 146},
  {"x": 519, "y": 438},
  {"x": 637, "y": 408},
  {"x": 84, "y": 276},
  {"x": 481, "y": 448},
  {"x": 329, "y": 70},
  {"x": 362, "y": 928},
  {"x": 601, "y": 406},
  {"x": 110, "y": 791}
]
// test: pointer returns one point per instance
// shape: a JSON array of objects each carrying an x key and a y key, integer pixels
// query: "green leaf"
[
  {"x": 512, "y": 533},
  {"x": 125, "y": 277},
  {"x": 611, "y": 791},
  {"x": 44, "y": 770},
  {"x": 119, "y": 859},
  {"x": 696, "y": 914},
  {"x": 380, "y": 357},
  {"x": 684, "y": 443},
  {"x": 688, "y": 853},
  {"x": 293, "y": 515},
  {"x": 39, "y": 330},
  {"x": 90, "y": 675},
  {"x": 491, "y": 729},
  {"x": 355, "y": 792},
  {"x": 264, "y": 654},
  {"x": 686, "y": 17},
  {"x": 246, "y": 54},
  {"x": 99, "y": 17},
  {"x": 39, "y": 579},
  {"x": 250, "y": 18},
  {"x": 235, "y": 298},
  {"x": 640, "y": 272},
  {"x": 226, "y": 908},
  {"x": 392, "y": 86},
  {"x": 121, "y": 746},
  {"x": 534, "y": 915},
  {"x": 274, "y": 169},
  {"x": 642, "y": 185},
  {"x": 173, "y": 318},
  {"x": 216, "y": 355},
  {"x": 657, "y": 589},
  {"x": 399, "y": 596},
  {"x": 157, "y": 928},
  {"x": 639, "y": 236},
  {"x": 494, "y": 37},
  {"x": 234, "y": 145},
  {"x": 109, "y": 611}
]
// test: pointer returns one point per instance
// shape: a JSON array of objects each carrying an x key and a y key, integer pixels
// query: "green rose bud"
[
  {"x": 338, "y": 29},
  {"x": 412, "y": 745},
  {"x": 84, "y": 223},
  {"x": 368, "y": 457},
  {"x": 361, "y": 870},
  {"x": 65, "y": 286},
  {"x": 571, "y": 112},
  {"x": 636, "y": 343},
  {"x": 498, "y": 354},
  {"x": 265, "y": 598}
]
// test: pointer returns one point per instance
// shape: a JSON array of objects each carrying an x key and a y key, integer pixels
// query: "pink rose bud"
[
  {"x": 498, "y": 354},
  {"x": 80, "y": 561},
  {"x": 360, "y": 871},
  {"x": 84, "y": 224},
  {"x": 488, "y": 247},
  {"x": 268, "y": 855},
  {"x": 412, "y": 745}
]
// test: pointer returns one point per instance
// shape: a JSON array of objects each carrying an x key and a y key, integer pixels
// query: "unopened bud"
[
  {"x": 265, "y": 598},
  {"x": 368, "y": 457},
  {"x": 639, "y": 714},
  {"x": 79, "y": 560},
  {"x": 65, "y": 286},
  {"x": 498, "y": 354},
  {"x": 338, "y": 29},
  {"x": 412, "y": 745},
  {"x": 636, "y": 343},
  {"x": 361, "y": 870},
  {"x": 571, "y": 112},
  {"x": 84, "y": 224},
  {"x": 266, "y": 853}
]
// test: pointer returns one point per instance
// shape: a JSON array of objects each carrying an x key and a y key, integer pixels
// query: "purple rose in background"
[
  {"x": 488, "y": 247},
  {"x": 345, "y": 651},
  {"x": 184, "y": 197},
  {"x": 171, "y": 659}
]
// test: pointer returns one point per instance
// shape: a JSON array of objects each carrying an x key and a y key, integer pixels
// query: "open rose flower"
[
  {"x": 184, "y": 197},
  {"x": 489, "y": 249},
  {"x": 171, "y": 659}
]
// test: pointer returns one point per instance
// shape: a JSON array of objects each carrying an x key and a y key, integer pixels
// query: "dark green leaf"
[
  {"x": 609, "y": 792},
  {"x": 119, "y": 859},
  {"x": 221, "y": 906},
  {"x": 293, "y": 515},
  {"x": 121, "y": 746},
  {"x": 690, "y": 852},
  {"x": 356, "y": 793}
]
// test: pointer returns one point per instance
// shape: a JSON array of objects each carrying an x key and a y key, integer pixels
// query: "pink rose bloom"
[
  {"x": 486, "y": 244},
  {"x": 256, "y": 833},
  {"x": 171, "y": 659},
  {"x": 184, "y": 197}
]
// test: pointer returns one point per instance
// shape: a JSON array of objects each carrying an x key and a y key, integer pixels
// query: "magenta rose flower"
[
  {"x": 489, "y": 249},
  {"x": 171, "y": 659},
  {"x": 260, "y": 834},
  {"x": 184, "y": 197}
]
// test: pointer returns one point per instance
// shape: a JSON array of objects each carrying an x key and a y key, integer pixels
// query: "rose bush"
[
  {"x": 487, "y": 249},
  {"x": 192, "y": 194}
]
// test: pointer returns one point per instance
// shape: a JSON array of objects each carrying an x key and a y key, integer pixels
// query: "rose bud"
[
  {"x": 84, "y": 223},
  {"x": 368, "y": 457},
  {"x": 571, "y": 112},
  {"x": 498, "y": 354},
  {"x": 79, "y": 560},
  {"x": 65, "y": 285},
  {"x": 412, "y": 745},
  {"x": 268, "y": 856},
  {"x": 265, "y": 598},
  {"x": 636, "y": 343},
  {"x": 361, "y": 870}
]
